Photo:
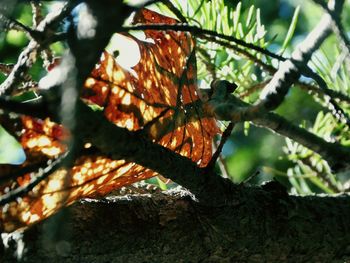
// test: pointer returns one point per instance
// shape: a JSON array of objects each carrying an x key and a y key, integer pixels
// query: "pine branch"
[
  {"x": 335, "y": 13},
  {"x": 203, "y": 33},
  {"x": 321, "y": 90},
  {"x": 338, "y": 112},
  {"x": 225, "y": 106},
  {"x": 289, "y": 71}
]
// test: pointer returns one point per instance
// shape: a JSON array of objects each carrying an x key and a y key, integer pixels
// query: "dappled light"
[{"x": 153, "y": 92}]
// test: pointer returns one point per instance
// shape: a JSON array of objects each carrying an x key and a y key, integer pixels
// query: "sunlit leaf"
[{"x": 157, "y": 97}]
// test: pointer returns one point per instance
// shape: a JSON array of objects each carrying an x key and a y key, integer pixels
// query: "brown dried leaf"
[{"x": 157, "y": 97}]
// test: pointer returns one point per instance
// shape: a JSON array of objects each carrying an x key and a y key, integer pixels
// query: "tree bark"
[{"x": 262, "y": 225}]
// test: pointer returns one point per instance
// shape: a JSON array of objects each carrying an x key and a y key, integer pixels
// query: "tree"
[{"x": 92, "y": 125}]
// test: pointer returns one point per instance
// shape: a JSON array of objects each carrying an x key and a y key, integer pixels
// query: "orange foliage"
[{"x": 158, "y": 97}]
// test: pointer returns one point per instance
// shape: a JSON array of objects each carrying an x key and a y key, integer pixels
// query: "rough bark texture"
[{"x": 263, "y": 225}]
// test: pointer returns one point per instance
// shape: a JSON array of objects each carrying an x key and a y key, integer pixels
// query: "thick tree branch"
[
  {"x": 119, "y": 143},
  {"x": 262, "y": 226}
]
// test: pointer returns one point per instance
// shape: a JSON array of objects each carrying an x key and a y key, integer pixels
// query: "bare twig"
[
  {"x": 37, "y": 178},
  {"x": 225, "y": 135},
  {"x": 338, "y": 112},
  {"x": 202, "y": 33},
  {"x": 37, "y": 14},
  {"x": 254, "y": 88},
  {"x": 35, "y": 109},
  {"x": 243, "y": 52},
  {"x": 290, "y": 70},
  {"x": 321, "y": 92},
  {"x": 28, "y": 55},
  {"x": 10, "y": 23}
]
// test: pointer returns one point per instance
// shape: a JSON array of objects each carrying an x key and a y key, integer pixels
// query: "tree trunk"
[{"x": 262, "y": 225}]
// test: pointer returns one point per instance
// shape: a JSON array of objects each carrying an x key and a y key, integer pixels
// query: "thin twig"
[
  {"x": 10, "y": 23},
  {"x": 225, "y": 135},
  {"x": 315, "y": 89},
  {"x": 173, "y": 9},
  {"x": 37, "y": 14},
  {"x": 270, "y": 69},
  {"x": 243, "y": 52},
  {"x": 322, "y": 175},
  {"x": 207, "y": 62},
  {"x": 37, "y": 109},
  {"x": 254, "y": 88},
  {"x": 37, "y": 178},
  {"x": 338, "y": 112},
  {"x": 26, "y": 58},
  {"x": 200, "y": 32}
]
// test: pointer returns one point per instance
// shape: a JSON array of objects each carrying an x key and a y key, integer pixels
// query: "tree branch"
[
  {"x": 12, "y": 195},
  {"x": 262, "y": 226},
  {"x": 199, "y": 32},
  {"x": 227, "y": 107},
  {"x": 335, "y": 13},
  {"x": 289, "y": 71},
  {"x": 26, "y": 58}
]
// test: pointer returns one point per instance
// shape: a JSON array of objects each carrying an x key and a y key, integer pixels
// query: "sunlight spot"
[
  {"x": 125, "y": 168},
  {"x": 88, "y": 189},
  {"x": 174, "y": 142},
  {"x": 104, "y": 89},
  {"x": 29, "y": 124},
  {"x": 26, "y": 216},
  {"x": 34, "y": 218},
  {"x": 84, "y": 169},
  {"x": 78, "y": 177},
  {"x": 54, "y": 185},
  {"x": 90, "y": 82},
  {"x": 29, "y": 218},
  {"x": 118, "y": 76},
  {"x": 179, "y": 50},
  {"x": 102, "y": 179},
  {"x": 52, "y": 151},
  {"x": 126, "y": 99},
  {"x": 87, "y": 145},
  {"x": 98, "y": 169},
  {"x": 115, "y": 90},
  {"x": 129, "y": 52},
  {"x": 49, "y": 201},
  {"x": 129, "y": 124}
]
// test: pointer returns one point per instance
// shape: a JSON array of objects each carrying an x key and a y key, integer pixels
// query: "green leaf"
[{"x": 291, "y": 29}]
